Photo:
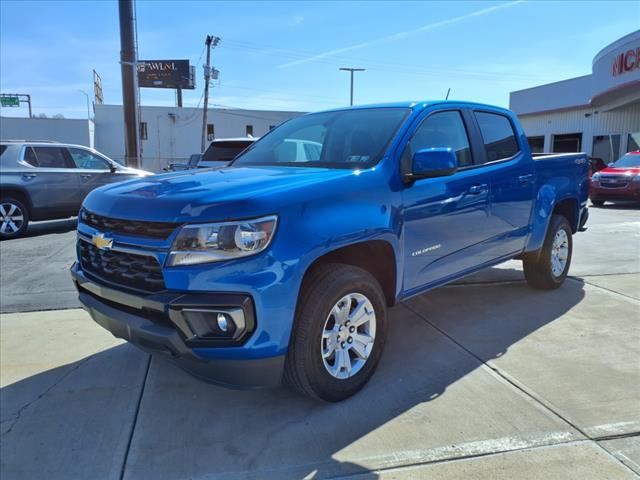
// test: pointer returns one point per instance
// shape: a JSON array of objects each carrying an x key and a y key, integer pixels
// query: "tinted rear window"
[
  {"x": 30, "y": 157},
  {"x": 224, "y": 151},
  {"x": 498, "y": 135},
  {"x": 2, "y": 149},
  {"x": 51, "y": 157}
]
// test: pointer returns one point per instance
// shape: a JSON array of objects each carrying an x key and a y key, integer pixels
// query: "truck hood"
[
  {"x": 621, "y": 171},
  {"x": 211, "y": 194}
]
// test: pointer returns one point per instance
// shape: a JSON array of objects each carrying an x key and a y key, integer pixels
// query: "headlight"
[
  {"x": 215, "y": 242},
  {"x": 595, "y": 177}
]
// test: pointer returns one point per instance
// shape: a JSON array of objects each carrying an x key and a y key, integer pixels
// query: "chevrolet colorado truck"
[{"x": 281, "y": 266}]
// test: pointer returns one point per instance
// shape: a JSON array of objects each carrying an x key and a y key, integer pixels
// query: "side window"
[
  {"x": 30, "y": 157},
  {"x": 51, "y": 157},
  {"x": 498, "y": 135},
  {"x": 444, "y": 129},
  {"x": 85, "y": 159}
]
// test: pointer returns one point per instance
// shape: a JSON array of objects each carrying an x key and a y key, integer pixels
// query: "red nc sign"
[{"x": 625, "y": 62}]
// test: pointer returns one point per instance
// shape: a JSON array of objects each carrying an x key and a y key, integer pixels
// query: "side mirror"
[
  {"x": 113, "y": 168},
  {"x": 176, "y": 167},
  {"x": 433, "y": 162}
]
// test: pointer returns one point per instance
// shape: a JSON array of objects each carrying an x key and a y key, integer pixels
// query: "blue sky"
[{"x": 285, "y": 55}]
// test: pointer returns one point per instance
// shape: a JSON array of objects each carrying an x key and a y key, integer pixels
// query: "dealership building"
[
  {"x": 167, "y": 134},
  {"x": 597, "y": 113}
]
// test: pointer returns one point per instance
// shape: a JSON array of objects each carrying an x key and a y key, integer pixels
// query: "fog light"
[{"x": 222, "y": 322}]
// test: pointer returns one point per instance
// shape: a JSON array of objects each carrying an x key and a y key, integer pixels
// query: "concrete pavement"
[{"x": 490, "y": 381}]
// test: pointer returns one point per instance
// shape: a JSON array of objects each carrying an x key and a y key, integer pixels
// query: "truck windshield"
[{"x": 342, "y": 139}]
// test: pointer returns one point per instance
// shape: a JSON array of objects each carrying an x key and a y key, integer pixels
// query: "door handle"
[
  {"x": 29, "y": 176},
  {"x": 85, "y": 175},
  {"x": 525, "y": 178},
  {"x": 477, "y": 189}
]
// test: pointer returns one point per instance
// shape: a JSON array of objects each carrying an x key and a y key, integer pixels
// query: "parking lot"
[{"x": 482, "y": 379}]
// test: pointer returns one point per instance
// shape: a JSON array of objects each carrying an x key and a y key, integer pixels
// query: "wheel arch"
[
  {"x": 377, "y": 257},
  {"x": 19, "y": 194}
]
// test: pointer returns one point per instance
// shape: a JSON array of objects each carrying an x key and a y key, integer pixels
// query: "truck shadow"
[{"x": 436, "y": 347}]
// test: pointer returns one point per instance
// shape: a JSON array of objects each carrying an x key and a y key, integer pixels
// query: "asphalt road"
[{"x": 485, "y": 379}]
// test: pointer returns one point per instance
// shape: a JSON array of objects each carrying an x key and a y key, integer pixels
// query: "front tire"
[
  {"x": 14, "y": 218},
  {"x": 547, "y": 268},
  {"x": 339, "y": 333}
]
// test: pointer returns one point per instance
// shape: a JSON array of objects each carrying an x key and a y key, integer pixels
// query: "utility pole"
[
  {"x": 129, "y": 70},
  {"x": 346, "y": 69},
  {"x": 207, "y": 77}
]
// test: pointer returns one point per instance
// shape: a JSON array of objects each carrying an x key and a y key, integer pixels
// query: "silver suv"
[{"x": 48, "y": 180}]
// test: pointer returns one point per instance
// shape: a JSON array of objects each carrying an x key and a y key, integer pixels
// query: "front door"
[
  {"x": 445, "y": 217},
  {"x": 53, "y": 183}
]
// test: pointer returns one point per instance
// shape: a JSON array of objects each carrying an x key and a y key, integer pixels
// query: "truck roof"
[{"x": 420, "y": 105}]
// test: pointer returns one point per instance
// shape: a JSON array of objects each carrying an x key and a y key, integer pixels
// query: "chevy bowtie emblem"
[{"x": 102, "y": 242}]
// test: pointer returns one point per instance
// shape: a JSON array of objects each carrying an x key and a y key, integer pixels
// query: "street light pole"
[
  {"x": 351, "y": 70},
  {"x": 88, "y": 109}
]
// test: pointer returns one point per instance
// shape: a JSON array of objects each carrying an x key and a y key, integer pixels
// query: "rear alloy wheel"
[
  {"x": 14, "y": 218},
  {"x": 548, "y": 267}
]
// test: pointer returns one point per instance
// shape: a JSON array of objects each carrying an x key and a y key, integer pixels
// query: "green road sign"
[{"x": 9, "y": 101}]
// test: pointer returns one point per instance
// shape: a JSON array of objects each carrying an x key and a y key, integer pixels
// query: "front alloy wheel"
[
  {"x": 348, "y": 335},
  {"x": 339, "y": 332},
  {"x": 13, "y": 218}
]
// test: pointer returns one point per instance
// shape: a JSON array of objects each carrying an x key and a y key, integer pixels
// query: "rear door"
[
  {"x": 445, "y": 218},
  {"x": 53, "y": 183},
  {"x": 512, "y": 183}
]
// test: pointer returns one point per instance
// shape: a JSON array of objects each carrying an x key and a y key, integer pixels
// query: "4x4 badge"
[{"x": 102, "y": 242}]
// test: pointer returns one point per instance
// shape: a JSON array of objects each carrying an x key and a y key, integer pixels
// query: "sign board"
[
  {"x": 97, "y": 88},
  {"x": 165, "y": 74},
  {"x": 10, "y": 101}
]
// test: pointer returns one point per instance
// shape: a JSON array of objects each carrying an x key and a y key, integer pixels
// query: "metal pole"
[
  {"x": 351, "y": 70},
  {"x": 179, "y": 93},
  {"x": 207, "y": 77},
  {"x": 29, "y": 103},
  {"x": 129, "y": 81},
  {"x": 88, "y": 109}
]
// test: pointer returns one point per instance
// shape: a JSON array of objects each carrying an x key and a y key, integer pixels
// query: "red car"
[{"x": 619, "y": 181}]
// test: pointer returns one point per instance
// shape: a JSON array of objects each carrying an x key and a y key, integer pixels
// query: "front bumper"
[
  {"x": 630, "y": 192},
  {"x": 143, "y": 321}
]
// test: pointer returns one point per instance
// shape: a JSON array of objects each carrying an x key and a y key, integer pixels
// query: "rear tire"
[
  {"x": 341, "y": 311},
  {"x": 597, "y": 203},
  {"x": 547, "y": 268},
  {"x": 14, "y": 218}
]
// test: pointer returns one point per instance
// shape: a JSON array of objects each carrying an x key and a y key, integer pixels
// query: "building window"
[
  {"x": 536, "y": 144},
  {"x": 271, "y": 127},
  {"x": 633, "y": 142},
  {"x": 143, "y": 131},
  {"x": 567, "y": 143},
  {"x": 606, "y": 147},
  {"x": 249, "y": 130},
  {"x": 210, "y": 132}
]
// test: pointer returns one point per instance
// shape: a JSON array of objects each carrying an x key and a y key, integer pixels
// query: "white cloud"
[
  {"x": 401, "y": 35},
  {"x": 296, "y": 21}
]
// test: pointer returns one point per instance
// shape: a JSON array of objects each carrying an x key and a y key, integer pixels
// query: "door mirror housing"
[
  {"x": 113, "y": 168},
  {"x": 433, "y": 162},
  {"x": 176, "y": 167}
]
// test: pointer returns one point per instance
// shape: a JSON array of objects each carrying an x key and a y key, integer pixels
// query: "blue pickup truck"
[{"x": 281, "y": 266}]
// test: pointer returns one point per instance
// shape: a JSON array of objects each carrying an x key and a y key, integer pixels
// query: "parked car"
[
  {"x": 219, "y": 154},
  {"x": 48, "y": 180},
  {"x": 281, "y": 268},
  {"x": 619, "y": 181}
]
